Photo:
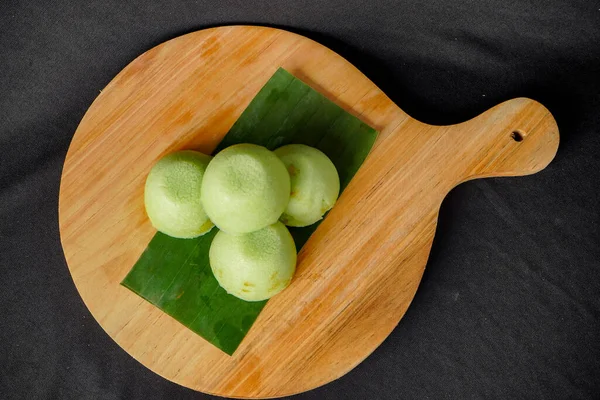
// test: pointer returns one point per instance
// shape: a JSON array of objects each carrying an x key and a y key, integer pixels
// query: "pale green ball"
[
  {"x": 172, "y": 195},
  {"x": 246, "y": 188},
  {"x": 315, "y": 184},
  {"x": 254, "y": 266}
]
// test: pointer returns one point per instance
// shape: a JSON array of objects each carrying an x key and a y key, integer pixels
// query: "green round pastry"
[
  {"x": 254, "y": 266},
  {"x": 172, "y": 195},
  {"x": 315, "y": 184},
  {"x": 245, "y": 188}
]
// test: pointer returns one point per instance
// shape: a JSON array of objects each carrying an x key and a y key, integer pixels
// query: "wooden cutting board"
[{"x": 356, "y": 275}]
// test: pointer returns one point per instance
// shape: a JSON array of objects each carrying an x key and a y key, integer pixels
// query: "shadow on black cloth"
[{"x": 509, "y": 307}]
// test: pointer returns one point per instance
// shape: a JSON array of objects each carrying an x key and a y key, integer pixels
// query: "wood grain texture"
[{"x": 356, "y": 275}]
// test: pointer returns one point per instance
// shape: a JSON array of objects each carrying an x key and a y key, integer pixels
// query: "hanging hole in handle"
[{"x": 517, "y": 135}]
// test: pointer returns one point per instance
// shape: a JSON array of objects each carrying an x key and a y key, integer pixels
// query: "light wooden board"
[{"x": 357, "y": 274}]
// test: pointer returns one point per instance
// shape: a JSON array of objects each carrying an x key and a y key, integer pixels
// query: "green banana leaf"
[{"x": 175, "y": 275}]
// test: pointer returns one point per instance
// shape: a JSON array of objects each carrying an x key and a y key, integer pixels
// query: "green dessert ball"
[
  {"x": 172, "y": 195},
  {"x": 254, "y": 266},
  {"x": 245, "y": 188},
  {"x": 315, "y": 184}
]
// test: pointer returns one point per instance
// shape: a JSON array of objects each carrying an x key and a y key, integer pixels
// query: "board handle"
[{"x": 516, "y": 137}]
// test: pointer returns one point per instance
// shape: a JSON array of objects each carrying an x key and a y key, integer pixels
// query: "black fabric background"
[{"x": 509, "y": 307}]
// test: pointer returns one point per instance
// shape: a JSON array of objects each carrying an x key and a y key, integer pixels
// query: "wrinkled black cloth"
[{"x": 509, "y": 307}]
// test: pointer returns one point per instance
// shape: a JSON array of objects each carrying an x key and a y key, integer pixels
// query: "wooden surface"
[{"x": 357, "y": 274}]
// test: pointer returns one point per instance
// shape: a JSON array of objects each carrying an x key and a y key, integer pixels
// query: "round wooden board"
[{"x": 357, "y": 274}]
